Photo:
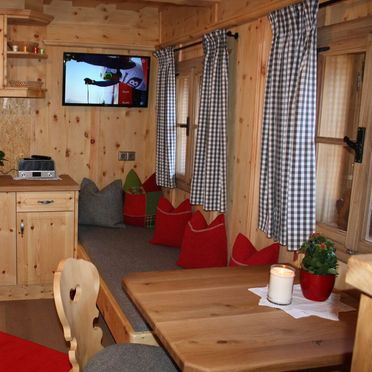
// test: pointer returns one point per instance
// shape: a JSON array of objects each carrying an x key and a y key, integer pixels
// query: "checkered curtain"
[
  {"x": 208, "y": 187},
  {"x": 287, "y": 184},
  {"x": 166, "y": 118}
]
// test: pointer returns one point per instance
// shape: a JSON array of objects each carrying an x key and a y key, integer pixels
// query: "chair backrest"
[{"x": 76, "y": 286}]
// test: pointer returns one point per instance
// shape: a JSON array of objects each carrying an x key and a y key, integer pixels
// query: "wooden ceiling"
[{"x": 138, "y": 4}]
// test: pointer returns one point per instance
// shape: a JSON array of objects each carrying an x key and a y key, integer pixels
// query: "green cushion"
[{"x": 132, "y": 182}]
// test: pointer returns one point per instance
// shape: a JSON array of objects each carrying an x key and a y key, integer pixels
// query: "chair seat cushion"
[
  {"x": 19, "y": 355},
  {"x": 131, "y": 358}
]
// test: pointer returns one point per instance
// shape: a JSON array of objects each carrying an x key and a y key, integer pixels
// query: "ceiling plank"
[
  {"x": 193, "y": 3},
  {"x": 145, "y": 3}
]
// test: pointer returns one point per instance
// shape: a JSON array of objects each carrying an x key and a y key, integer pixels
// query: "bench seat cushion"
[{"x": 117, "y": 252}]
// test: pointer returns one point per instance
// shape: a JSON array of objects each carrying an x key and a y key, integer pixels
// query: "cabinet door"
[
  {"x": 43, "y": 239},
  {"x": 8, "y": 249}
]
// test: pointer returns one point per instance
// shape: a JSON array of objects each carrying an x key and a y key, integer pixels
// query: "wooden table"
[{"x": 209, "y": 321}]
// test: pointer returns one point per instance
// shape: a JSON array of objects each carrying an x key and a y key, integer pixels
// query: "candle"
[{"x": 281, "y": 284}]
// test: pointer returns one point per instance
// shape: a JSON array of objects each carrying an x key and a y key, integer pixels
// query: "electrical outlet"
[{"x": 127, "y": 156}]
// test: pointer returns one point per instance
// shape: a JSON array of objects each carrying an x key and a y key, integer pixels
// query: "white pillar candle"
[{"x": 281, "y": 284}]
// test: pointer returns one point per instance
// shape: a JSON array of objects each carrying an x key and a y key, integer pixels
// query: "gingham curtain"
[
  {"x": 287, "y": 184},
  {"x": 166, "y": 118},
  {"x": 208, "y": 187}
]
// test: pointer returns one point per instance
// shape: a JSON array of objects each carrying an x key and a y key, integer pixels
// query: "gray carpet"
[{"x": 117, "y": 252}]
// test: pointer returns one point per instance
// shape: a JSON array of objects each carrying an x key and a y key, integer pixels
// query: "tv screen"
[{"x": 105, "y": 80}]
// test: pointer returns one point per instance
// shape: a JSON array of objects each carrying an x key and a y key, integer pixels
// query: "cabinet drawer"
[{"x": 45, "y": 201}]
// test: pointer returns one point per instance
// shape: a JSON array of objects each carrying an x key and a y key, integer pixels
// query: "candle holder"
[{"x": 281, "y": 284}]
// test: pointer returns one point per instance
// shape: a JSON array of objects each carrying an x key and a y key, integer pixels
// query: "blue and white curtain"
[
  {"x": 287, "y": 184},
  {"x": 208, "y": 187},
  {"x": 166, "y": 118}
]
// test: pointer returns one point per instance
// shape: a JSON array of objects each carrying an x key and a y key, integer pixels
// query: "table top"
[
  {"x": 8, "y": 184},
  {"x": 209, "y": 321}
]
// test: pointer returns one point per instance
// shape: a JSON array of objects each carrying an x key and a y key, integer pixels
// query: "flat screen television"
[{"x": 105, "y": 80}]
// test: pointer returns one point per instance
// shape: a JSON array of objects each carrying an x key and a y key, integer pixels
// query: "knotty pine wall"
[
  {"x": 244, "y": 128},
  {"x": 83, "y": 141}
]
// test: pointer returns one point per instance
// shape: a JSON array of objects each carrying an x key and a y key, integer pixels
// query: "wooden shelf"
[
  {"x": 22, "y": 92},
  {"x": 29, "y": 55},
  {"x": 26, "y": 17}
]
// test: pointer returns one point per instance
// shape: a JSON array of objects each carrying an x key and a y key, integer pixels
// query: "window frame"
[
  {"x": 352, "y": 241},
  {"x": 193, "y": 69}
]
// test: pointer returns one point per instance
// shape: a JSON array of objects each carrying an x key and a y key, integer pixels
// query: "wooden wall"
[
  {"x": 84, "y": 141},
  {"x": 244, "y": 128}
]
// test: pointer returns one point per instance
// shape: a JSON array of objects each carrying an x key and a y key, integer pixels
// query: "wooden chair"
[{"x": 76, "y": 286}]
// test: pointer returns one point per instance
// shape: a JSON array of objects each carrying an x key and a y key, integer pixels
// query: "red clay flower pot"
[{"x": 316, "y": 287}]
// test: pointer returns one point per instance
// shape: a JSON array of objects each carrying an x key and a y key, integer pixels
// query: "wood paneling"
[
  {"x": 83, "y": 141},
  {"x": 244, "y": 131},
  {"x": 8, "y": 269},
  {"x": 102, "y": 24}
]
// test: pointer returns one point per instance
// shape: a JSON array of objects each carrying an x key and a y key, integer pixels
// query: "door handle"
[{"x": 22, "y": 228}]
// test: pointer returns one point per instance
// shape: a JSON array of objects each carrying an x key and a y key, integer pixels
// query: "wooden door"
[
  {"x": 8, "y": 271},
  {"x": 43, "y": 239}
]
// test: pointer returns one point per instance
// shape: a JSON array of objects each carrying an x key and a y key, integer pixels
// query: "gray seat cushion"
[
  {"x": 131, "y": 358},
  {"x": 101, "y": 207},
  {"x": 117, "y": 252}
]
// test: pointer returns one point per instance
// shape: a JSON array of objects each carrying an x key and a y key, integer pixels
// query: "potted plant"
[{"x": 318, "y": 268}]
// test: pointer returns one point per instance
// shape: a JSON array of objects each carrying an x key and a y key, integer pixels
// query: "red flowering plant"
[{"x": 320, "y": 255}]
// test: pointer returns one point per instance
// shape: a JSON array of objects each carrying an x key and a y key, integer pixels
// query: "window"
[
  {"x": 187, "y": 97},
  {"x": 344, "y": 197}
]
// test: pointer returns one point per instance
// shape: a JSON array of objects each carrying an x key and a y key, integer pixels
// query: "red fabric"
[
  {"x": 170, "y": 222},
  {"x": 150, "y": 184},
  {"x": 134, "y": 210},
  {"x": 203, "y": 245},
  {"x": 19, "y": 355},
  {"x": 244, "y": 253}
]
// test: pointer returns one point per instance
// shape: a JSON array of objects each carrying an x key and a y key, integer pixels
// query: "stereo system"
[{"x": 37, "y": 166}]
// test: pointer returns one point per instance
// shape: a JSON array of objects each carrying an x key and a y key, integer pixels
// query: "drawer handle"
[{"x": 44, "y": 202}]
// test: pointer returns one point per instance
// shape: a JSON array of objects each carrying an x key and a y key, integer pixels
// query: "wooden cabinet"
[
  {"x": 8, "y": 236},
  {"x": 22, "y": 72},
  {"x": 38, "y": 228}
]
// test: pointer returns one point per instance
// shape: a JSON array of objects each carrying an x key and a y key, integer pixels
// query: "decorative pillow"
[
  {"x": 132, "y": 182},
  {"x": 101, "y": 208},
  {"x": 170, "y": 222},
  {"x": 150, "y": 184},
  {"x": 140, "y": 201},
  {"x": 203, "y": 245},
  {"x": 244, "y": 253}
]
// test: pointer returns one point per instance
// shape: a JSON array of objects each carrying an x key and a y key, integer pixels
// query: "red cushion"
[
  {"x": 134, "y": 210},
  {"x": 170, "y": 222},
  {"x": 19, "y": 355},
  {"x": 204, "y": 245},
  {"x": 150, "y": 184},
  {"x": 244, "y": 253}
]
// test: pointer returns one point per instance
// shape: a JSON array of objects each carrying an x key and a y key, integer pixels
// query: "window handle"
[
  {"x": 357, "y": 145},
  {"x": 187, "y": 126}
]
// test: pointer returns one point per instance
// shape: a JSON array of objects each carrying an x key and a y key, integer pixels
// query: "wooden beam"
[
  {"x": 254, "y": 9},
  {"x": 128, "y": 4},
  {"x": 192, "y": 3}
]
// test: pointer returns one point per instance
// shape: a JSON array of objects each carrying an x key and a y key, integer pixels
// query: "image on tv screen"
[{"x": 105, "y": 80}]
